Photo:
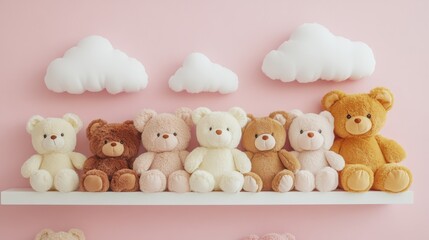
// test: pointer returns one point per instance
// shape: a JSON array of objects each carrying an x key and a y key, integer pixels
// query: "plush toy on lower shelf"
[
  {"x": 115, "y": 146},
  {"x": 165, "y": 137},
  {"x": 371, "y": 159},
  {"x": 72, "y": 234},
  {"x": 271, "y": 236},
  {"x": 311, "y": 136},
  {"x": 272, "y": 166},
  {"x": 217, "y": 164},
  {"x": 54, "y": 166}
]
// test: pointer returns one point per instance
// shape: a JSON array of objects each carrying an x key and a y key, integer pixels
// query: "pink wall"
[{"x": 236, "y": 34}]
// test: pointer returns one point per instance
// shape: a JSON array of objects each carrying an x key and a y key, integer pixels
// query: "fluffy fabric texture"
[
  {"x": 72, "y": 234},
  {"x": 371, "y": 160},
  {"x": 264, "y": 139},
  {"x": 94, "y": 65},
  {"x": 311, "y": 136},
  {"x": 115, "y": 146},
  {"x": 199, "y": 74},
  {"x": 54, "y": 165},
  {"x": 313, "y": 52},
  {"x": 271, "y": 236},
  {"x": 217, "y": 164},
  {"x": 165, "y": 137}
]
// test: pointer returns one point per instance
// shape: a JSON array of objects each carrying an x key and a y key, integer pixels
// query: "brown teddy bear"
[
  {"x": 115, "y": 146},
  {"x": 371, "y": 160},
  {"x": 272, "y": 166},
  {"x": 72, "y": 234}
]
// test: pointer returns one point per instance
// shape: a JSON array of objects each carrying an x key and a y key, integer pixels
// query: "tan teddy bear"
[
  {"x": 72, "y": 234},
  {"x": 371, "y": 159}
]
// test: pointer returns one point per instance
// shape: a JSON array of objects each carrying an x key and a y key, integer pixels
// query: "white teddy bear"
[
  {"x": 54, "y": 139},
  {"x": 217, "y": 164},
  {"x": 311, "y": 136}
]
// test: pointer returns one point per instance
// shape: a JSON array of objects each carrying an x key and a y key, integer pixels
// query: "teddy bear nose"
[
  {"x": 218, "y": 132},
  {"x": 265, "y": 137},
  {"x": 53, "y": 137},
  {"x": 165, "y": 136},
  {"x": 310, "y": 134},
  {"x": 113, "y": 144},
  {"x": 357, "y": 120}
]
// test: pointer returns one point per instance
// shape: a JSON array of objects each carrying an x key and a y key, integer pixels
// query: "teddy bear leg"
[
  {"x": 304, "y": 181},
  {"x": 252, "y": 182},
  {"x": 178, "y": 181},
  {"x": 201, "y": 181},
  {"x": 153, "y": 181},
  {"x": 41, "y": 181},
  {"x": 231, "y": 182},
  {"x": 283, "y": 181},
  {"x": 124, "y": 180},
  {"x": 94, "y": 181},
  {"x": 392, "y": 178},
  {"x": 66, "y": 180},
  {"x": 326, "y": 179},
  {"x": 356, "y": 178}
]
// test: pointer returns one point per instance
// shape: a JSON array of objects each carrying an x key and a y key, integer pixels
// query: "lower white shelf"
[{"x": 29, "y": 197}]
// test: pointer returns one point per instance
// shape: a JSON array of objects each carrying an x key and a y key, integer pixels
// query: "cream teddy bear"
[
  {"x": 217, "y": 164},
  {"x": 72, "y": 234},
  {"x": 54, "y": 165},
  {"x": 165, "y": 137},
  {"x": 311, "y": 136}
]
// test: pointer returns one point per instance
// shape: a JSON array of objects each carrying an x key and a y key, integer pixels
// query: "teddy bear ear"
[
  {"x": 74, "y": 120},
  {"x": 384, "y": 96},
  {"x": 32, "y": 122},
  {"x": 77, "y": 233},
  {"x": 239, "y": 114},
  {"x": 295, "y": 113},
  {"x": 44, "y": 234},
  {"x": 251, "y": 237},
  {"x": 328, "y": 116},
  {"x": 331, "y": 98},
  {"x": 279, "y": 116},
  {"x": 199, "y": 113},
  {"x": 142, "y": 118},
  {"x": 93, "y": 126},
  {"x": 185, "y": 114}
]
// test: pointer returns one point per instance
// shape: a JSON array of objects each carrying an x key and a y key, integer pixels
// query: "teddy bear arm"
[
  {"x": 194, "y": 159},
  {"x": 143, "y": 162},
  {"x": 249, "y": 154},
  {"x": 31, "y": 165},
  {"x": 335, "y": 160},
  {"x": 392, "y": 151},
  {"x": 182, "y": 156},
  {"x": 242, "y": 162},
  {"x": 289, "y": 160},
  {"x": 78, "y": 159},
  {"x": 337, "y": 145}
]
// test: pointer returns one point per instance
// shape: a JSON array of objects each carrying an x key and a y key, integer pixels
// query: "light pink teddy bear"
[
  {"x": 271, "y": 236},
  {"x": 165, "y": 137}
]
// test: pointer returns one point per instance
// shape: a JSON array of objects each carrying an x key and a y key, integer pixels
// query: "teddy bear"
[
  {"x": 217, "y": 164},
  {"x": 311, "y": 136},
  {"x": 54, "y": 166},
  {"x": 371, "y": 159},
  {"x": 165, "y": 137},
  {"x": 271, "y": 236},
  {"x": 272, "y": 166},
  {"x": 115, "y": 146},
  {"x": 72, "y": 234}
]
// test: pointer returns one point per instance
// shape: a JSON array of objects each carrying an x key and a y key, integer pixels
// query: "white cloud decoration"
[
  {"x": 199, "y": 74},
  {"x": 94, "y": 65},
  {"x": 313, "y": 52}
]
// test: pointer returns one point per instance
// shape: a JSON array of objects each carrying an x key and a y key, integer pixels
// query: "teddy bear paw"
[
  {"x": 41, "y": 181},
  {"x": 286, "y": 183},
  {"x": 66, "y": 180},
  {"x": 152, "y": 181},
  {"x": 231, "y": 182},
  {"x": 250, "y": 184},
  {"x": 359, "y": 181},
  {"x": 201, "y": 181},
  {"x": 326, "y": 180},
  {"x": 304, "y": 181},
  {"x": 178, "y": 182},
  {"x": 397, "y": 181},
  {"x": 126, "y": 182},
  {"x": 93, "y": 183}
]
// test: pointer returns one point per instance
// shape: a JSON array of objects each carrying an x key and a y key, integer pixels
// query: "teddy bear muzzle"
[
  {"x": 53, "y": 142},
  {"x": 358, "y": 125},
  {"x": 166, "y": 141},
  {"x": 265, "y": 142},
  {"x": 310, "y": 140},
  {"x": 113, "y": 149}
]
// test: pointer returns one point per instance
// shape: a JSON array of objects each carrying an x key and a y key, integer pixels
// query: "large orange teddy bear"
[{"x": 371, "y": 159}]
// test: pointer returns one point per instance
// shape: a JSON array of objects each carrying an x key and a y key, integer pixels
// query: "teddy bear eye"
[
  {"x": 122, "y": 142},
  {"x": 272, "y": 134},
  {"x": 369, "y": 115},
  {"x": 210, "y": 128},
  {"x": 320, "y": 131},
  {"x": 256, "y": 135},
  {"x": 105, "y": 141},
  {"x": 227, "y": 129},
  {"x": 45, "y": 136},
  {"x": 301, "y": 132},
  {"x": 349, "y": 116},
  {"x": 158, "y": 134},
  {"x": 62, "y": 134},
  {"x": 175, "y": 134}
]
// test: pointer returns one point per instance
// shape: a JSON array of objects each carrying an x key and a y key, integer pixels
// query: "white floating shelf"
[{"x": 29, "y": 197}]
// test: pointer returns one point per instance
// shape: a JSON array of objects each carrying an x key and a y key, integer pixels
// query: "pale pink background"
[{"x": 236, "y": 34}]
